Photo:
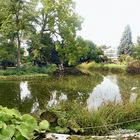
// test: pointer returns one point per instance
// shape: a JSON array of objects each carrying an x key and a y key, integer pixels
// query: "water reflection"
[
  {"x": 88, "y": 91},
  {"x": 24, "y": 91},
  {"x": 107, "y": 91},
  {"x": 133, "y": 95},
  {"x": 35, "y": 107},
  {"x": 54, "y": 100}
]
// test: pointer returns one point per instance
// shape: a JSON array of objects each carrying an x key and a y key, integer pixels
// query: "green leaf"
[
  {"x": 30, "y": 120},
  {"x": 18, "y": 136},
  {"x": 8, "y": 132},
  {"x": 25, "y": 130},
  {"x": 61, "y": 130},
  {"x": 1, "y": 124},
  {"x": 44, "y": 125}
]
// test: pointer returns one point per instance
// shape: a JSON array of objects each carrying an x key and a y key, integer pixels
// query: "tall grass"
[
  {"x": 92, "y": 66},
  {"x": 102, "y": 121}
]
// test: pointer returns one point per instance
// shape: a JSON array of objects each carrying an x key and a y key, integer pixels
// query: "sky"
[{"x": 105, "y": 20}]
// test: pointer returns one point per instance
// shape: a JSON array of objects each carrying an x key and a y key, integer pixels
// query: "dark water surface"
[{"x": 91, "y": 91}]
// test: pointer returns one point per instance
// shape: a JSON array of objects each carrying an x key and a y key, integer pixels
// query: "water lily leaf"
[{"x": 44, "y": 125}]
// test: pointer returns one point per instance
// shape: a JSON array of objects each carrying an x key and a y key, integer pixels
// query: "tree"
[
  {"x": 7, "y": 54},
  {"x": 126, "y": 44},
  {"x": 42, "y": 50},
  {"x": 56, "y": 19},
  {"x": 136, "y": 50},
  {"x": 16, "y": 22}
]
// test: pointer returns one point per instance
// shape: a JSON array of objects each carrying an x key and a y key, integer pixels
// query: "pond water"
[{"x": 93, "y": 91}]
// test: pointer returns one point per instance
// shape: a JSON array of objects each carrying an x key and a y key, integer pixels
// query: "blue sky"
[{"x": 105, "y": 20}]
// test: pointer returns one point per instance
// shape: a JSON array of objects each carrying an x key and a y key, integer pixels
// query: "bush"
[
  {"x": 29, "y": 70},
  {"x": 92, "y": 66},
  {"x": 134, "y": 67},
  {"x": 125, "y": 59}
]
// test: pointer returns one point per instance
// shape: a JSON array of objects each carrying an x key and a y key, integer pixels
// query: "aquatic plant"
[{"x": 14, "y": 126}]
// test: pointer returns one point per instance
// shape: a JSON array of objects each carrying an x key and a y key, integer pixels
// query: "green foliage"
[
  {"x": 57, "y": 20},
  {"x": 135, "y": 126},
  {"x": 16, "y": 23},
  {"x": 126, "y": 44},
  {"x": 66, "y": 122},
  {"x": 44, "y": 125},
  {"x": 125, "y": 59},
  {"x": 14, "y": 126},
  {"x": 29, "y": 70},
  {"x": 86, "y": 50},
  {"x": 92, "y": 66},
  {"x": 82, "y": 50},
  {"x": 49, "y": 33},
  {"x": 75, "y": 119},
  {"x": 136, "y": 50},
  {"x": 7, "y": 54}
]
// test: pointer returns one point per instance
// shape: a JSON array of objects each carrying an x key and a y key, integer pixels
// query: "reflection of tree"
[
  {"x": 9, "y": 94},
  {"x": 40, "y": 90},
  {"x": 75, "y": 88},
  {"x": 26, "y": 100},
  {"x": 126, "y": 83},
  {"x": 10, "y": 97}
]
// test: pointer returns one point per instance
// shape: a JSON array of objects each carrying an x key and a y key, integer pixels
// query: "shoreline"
[
  {"x": 55, "y": 136},
  {"x": 23, "y": 77}
]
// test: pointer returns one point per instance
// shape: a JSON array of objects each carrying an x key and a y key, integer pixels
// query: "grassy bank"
[
  {"x": 71, "y": 119},
  {"x": 92, "y": 66},
  {"x": 27, "y": 72},
  {"x": 74, "y": 119},
  {"x": 24, "y": 77}
]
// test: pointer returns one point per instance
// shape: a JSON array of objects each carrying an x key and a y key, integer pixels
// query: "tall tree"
[
  {"x": 16, "y": 22},
  {"x": 58, "y": 20},
  {"x": 126, "y": 43}
]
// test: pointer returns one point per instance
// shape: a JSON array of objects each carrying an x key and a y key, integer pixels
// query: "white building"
[{"x": 111, "y": 53}]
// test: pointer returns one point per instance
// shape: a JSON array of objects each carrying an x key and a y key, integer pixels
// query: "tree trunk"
[
  {"x": 61, "y": 66},
  {"x": 18, "y": 37},
  {"x": 18, "y": 52}
]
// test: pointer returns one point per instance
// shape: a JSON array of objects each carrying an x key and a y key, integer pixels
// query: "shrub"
[
  {"x": 125, "y": 59},
  {"x": 134, "y": 67},
  {"x": 29, "y": 70}
]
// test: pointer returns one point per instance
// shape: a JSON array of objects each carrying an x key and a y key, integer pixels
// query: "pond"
[{"x": 91, "y": 92}]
